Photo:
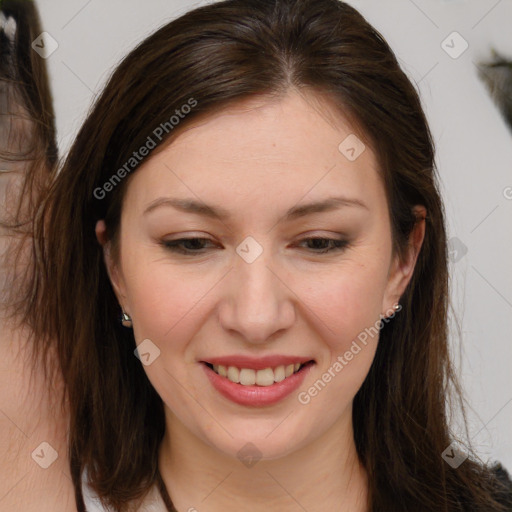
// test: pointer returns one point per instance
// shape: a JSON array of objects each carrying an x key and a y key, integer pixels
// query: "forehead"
[{"x": 261, "y": 152}]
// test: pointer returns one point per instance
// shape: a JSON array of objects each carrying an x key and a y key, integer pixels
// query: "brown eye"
[
  {"x": 191, "y": 246},
  {"x": 187, "y": 246},
  {"x": 325, "y": 245}
]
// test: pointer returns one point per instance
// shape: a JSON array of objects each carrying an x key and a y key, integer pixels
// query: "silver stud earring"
[
  {"x": 126, "y": 320},
  {"x": 397, "y": 307}
]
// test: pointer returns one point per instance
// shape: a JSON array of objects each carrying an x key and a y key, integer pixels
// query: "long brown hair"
[
  {"x": 28, "y": 156},
  {"x": 217, "y": 55}
]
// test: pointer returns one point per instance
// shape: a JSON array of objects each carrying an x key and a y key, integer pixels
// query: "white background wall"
[{"x": 474, "y": 154}]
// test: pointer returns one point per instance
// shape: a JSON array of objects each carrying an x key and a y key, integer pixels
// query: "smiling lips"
[{"x": 256, "y": 382}]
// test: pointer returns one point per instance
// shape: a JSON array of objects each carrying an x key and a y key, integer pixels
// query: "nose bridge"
[{"x": 257, "y": 304}]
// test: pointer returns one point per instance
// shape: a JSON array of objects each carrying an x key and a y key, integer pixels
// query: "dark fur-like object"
[{"x": 497, "y": 76}]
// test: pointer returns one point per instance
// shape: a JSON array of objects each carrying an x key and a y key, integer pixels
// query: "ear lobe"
[
  {"x": 101, "y": 232},
  {"x": 110, "y": 265}
]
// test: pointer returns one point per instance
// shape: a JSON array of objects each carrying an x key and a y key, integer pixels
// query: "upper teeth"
[{"x": 249, "y": 377}]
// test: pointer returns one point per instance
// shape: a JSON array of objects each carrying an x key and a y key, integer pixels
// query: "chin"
[{"x": 254, "y": 439}]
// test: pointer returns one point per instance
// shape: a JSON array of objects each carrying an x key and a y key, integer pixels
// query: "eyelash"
[{"x": 173, "y": 245}]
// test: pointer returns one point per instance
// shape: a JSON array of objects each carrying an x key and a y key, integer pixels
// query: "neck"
[{"x": 324, "y": 475}]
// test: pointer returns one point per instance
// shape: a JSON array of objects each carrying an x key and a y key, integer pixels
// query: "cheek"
[
  {"x": 346, "y": 306},
  {"x": 169, "y": 306},
  {"x": 169, "y": 302},
  {"x": 346, "y": 313},
  {"x": 168, "y": 309},
  {"x": 161, "y": 294},
  {"x": 345, "y": 300},
  {"x": 170, "y": 317}
]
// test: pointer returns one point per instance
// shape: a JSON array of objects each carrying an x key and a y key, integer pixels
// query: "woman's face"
[{"x": 255, "y": 292}]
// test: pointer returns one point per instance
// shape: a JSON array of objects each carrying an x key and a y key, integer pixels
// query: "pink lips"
[{"x": 257, "y": 396}]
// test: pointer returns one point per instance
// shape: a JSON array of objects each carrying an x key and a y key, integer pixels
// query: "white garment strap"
[
  {"x": 91, "y": 500},
  {"x": 152, "y": 503}
]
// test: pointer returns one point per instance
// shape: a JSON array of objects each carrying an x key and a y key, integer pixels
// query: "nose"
[{"x": 257, "y": 303}]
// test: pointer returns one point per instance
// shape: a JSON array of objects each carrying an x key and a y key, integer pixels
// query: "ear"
[
  {"x": 114, "y": 273},
  {"x": 401, "y": 270}
]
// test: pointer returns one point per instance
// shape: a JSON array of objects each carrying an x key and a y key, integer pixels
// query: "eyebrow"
[{"x": 219, "y": 213}]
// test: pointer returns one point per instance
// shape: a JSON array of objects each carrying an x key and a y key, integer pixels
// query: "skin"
[
  {"x": 30, "y": 415},
  {"x": 258, "y": 160},
  {"x": 30, "y": 410}
]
